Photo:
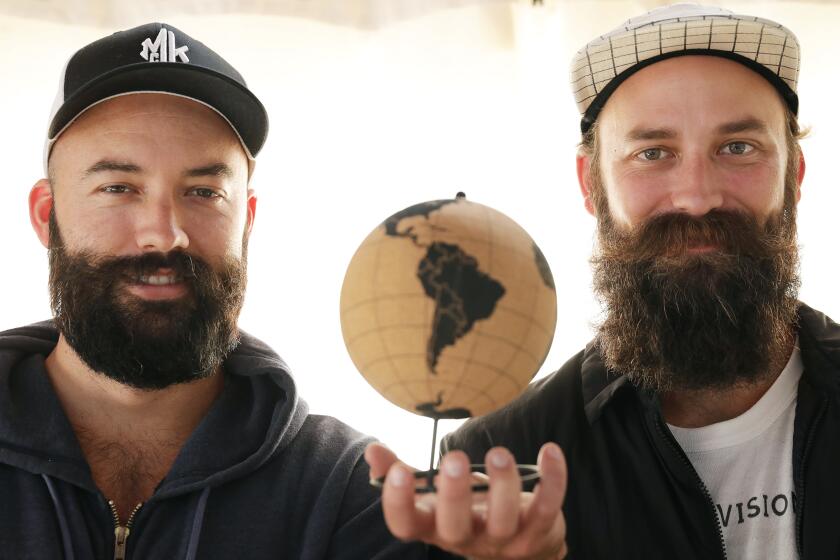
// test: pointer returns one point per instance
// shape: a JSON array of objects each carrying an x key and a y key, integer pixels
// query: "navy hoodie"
[{"x": 258, "y": 478}]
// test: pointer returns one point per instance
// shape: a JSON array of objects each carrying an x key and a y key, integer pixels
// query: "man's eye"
[
  {"x": 204, "y": 192},
  {"x": 737, "y": 148},
  {"x": 115, "y": 189},
  {"x": 652, "y": 154}
]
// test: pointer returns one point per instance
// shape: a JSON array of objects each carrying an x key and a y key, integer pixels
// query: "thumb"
[
  {"x": 553, "y": 475},
  {"x": 379, "y": 458}
]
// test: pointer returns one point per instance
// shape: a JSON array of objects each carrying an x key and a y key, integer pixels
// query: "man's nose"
[
  {"x": 158, "y": 228},
  {"x": 697, "y": 188}
]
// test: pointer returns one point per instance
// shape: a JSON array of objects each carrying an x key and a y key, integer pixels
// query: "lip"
[
  {"x": 701, "y": 249},
  {"x": 158, "y": 291},
  {"x": 169, "y": 291}
]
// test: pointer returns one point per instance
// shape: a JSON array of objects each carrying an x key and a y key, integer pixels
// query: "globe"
[{"x": 448, "y": 309}]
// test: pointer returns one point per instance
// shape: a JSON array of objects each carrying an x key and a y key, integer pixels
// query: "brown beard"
[
  {"x": 139, "y": 343},
  {"x": 676, "y": 320}
]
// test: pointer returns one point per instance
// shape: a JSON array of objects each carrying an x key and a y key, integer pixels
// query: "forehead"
[
  {"x": 692, "y": 92},
  {"x": 186, "y": 128}
]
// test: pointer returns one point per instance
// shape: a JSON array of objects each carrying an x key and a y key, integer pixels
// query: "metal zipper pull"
[
  {"x": 121, "y": 532},
  {"x": 121, "y": 536}
]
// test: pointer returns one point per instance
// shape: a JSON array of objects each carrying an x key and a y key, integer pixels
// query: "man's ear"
[
  {"x": 585, "y": 180},
  {"x": 800, "y": 176},
  {"x": 252, "y": 209},
  {"x": 40, "y": 205}
]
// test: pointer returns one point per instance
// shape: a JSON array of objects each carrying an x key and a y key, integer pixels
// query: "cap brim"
[
  {"x": 233, "y": 101},
  {"x": 594, "y": 109}
]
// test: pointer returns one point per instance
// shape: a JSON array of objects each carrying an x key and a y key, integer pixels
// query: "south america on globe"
[{"x": 448, "y": 309}]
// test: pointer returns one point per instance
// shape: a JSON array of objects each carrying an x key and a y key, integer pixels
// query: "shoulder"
[
  {"x": 325, "y": 435},
  {"x": 335, "y": 449},
  {"x": 325, "y": 447},
  {"x": 37, "y": 338},
  {"x": 819, "y": 343},
  {"x": 820, "y": 331},
  {"x": 327, "y": 456}
]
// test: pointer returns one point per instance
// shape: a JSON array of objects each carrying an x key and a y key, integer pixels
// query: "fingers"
[
  {"x": 544, "y": 512},
  {"x": 454, "y": 499},
  {"x": 404, "y": 518},
  {"x": 517, "y": 524},
  {"x": 405, "y": 521},
  {"x": 379, "y": 458},
  {"x": 503, "y": 496}
]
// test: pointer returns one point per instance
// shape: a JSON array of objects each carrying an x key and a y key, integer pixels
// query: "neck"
[
  {"x": 703, "y": 407},
  {"x": 103, "y": 408}
]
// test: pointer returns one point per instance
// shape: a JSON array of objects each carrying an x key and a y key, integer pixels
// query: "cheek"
[
  {"x": 216, "y": 233},
  {"x": 759, "y": 188},
  {"x": 634, "y": 196},
  {"x": 98, "y": 232}
]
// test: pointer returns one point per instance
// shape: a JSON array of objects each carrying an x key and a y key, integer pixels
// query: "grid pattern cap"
[
  {"x": 158, "y": 58},
  {"x": 683, "y": 29}
]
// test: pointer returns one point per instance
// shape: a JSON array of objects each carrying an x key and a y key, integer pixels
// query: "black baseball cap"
[{"x": 157, "y": 58}]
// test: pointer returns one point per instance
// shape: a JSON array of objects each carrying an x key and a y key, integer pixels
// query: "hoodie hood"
[{"x": 35, "y": 434}]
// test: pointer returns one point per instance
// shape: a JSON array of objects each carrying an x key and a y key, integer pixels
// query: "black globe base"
[{"x": 529, "y": 474}]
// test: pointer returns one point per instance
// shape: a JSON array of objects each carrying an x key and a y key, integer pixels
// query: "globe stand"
[{"x": 528, "y": 473}]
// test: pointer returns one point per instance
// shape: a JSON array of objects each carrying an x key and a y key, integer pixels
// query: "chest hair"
[{"x": 128, "y": 469}]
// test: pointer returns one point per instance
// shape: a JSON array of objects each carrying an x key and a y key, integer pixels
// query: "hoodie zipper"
[
  {"x": 121, "y": 532},
  {"x": 660, "y": 425}
]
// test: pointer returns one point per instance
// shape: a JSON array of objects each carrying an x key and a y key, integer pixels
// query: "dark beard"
[
  {"x": 682, "y": 321},
  {"x": 139, "y": 343}
]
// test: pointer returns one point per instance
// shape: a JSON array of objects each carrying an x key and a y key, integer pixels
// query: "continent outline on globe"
[{"x": 463, "y": 294}]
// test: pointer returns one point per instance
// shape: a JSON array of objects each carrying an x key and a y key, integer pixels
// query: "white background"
[{"x": 367, "y": 121}]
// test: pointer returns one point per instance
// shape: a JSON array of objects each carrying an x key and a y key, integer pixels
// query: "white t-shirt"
[{"x": 746, "y": 464}]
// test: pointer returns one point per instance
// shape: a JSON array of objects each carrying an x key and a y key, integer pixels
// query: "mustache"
[
  {"x": 129, "y": 268},
  {"x": 731, "y": 233}
]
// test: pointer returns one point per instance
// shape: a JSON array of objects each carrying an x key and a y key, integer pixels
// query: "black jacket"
[
  {"x": 258, "y": 478},
  {"x": 632, "y": 491}
]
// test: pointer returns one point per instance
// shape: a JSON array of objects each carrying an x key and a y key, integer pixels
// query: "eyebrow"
[
  {"x": 750, "y": 124},
  {"x": 651, "y": 134},
  {"x": 111, "y": 165},
  {"x": 213, "y": 170}
]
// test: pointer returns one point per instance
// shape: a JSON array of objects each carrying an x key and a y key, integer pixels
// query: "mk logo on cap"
[{"x": 163, "y": 48}]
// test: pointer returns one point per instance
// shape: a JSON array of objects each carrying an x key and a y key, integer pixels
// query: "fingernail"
[
  {"x": 453, "y": 468},
  {"x": 499, "y": 459},
  {"x": 398, "y": 477},
  {"x": 553, "y": 451}
]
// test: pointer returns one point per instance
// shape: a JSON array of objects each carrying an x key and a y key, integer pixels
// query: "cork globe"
[{"x": 448, "y": 309}]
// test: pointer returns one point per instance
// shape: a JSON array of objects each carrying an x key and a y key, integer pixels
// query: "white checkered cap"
[{"x": 763, "y": 45}]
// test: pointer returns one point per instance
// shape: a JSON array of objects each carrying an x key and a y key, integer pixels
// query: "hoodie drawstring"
[
  {"x": 198, "y": 520},
  {"x": 62, "y": 519},
  {"x": 195, "y": 533}
]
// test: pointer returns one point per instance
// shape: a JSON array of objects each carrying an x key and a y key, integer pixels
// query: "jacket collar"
[
  {"x": 819, "y": 340},
  {"x": 598, "y": 384}
]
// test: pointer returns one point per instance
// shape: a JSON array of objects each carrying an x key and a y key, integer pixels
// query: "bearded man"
[
  {"x": 141, "y": 423},
  {"x": 702, "y": 421}
]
